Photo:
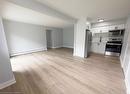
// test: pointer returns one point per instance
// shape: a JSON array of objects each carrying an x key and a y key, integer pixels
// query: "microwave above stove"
[{"x": 119, "y": 32}]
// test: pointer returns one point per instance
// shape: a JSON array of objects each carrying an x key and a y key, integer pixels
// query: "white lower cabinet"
[
  {"x": 94, "y": 47},
  {"x": 98, "y": 47}
]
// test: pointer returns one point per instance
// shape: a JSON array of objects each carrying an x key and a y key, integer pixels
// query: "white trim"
[
  {"x": 121, "y": 61},
  {"x": 127, "y": 80},
  {"x": 30, "y": 51},
  {"x": 8, "y": 83},
  {"x": 79, "y": 55},
  {"x": 127, "y": 86},
  {"x": 68, "y": 46},
  {"x": 56, "y": 47},
  {"x": 109, "y": 25},
  {"x": 75, "y": 29}
]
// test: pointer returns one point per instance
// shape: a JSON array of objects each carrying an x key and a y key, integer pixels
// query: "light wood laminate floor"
[{"x": 56, "y": 71}]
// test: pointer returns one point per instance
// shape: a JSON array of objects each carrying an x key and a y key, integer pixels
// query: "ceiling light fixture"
[
  {"x": 87, "y": 23},
  {"x": 100, "y": 20}
]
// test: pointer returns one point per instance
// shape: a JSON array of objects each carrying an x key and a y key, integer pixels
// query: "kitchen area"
[{"x": 107, "y": 37}]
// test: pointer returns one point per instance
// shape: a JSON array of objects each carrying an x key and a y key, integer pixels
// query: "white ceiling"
[
  {"x": 14, "y": 12},
  {"x": 106, "y": 9},
  {"x": 52, "y": 12}
]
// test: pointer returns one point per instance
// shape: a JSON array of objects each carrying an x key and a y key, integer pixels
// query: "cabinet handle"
[{"x": 100, "y": 39}]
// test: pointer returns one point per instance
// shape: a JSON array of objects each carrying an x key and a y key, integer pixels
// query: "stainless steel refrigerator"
[{"x": 88, "y": 41}]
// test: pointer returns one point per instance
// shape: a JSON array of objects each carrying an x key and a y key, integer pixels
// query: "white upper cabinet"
[
  {"x": 104, "y": 29},
  {"x": 107, "y": 28},
  {"x": 122, "y": 26},
  {"x": 100, "y": 30}
]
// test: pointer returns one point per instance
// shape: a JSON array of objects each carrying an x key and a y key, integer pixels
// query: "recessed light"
[
  {"x": 100, "y": 20},
  {"x": 87, "y": 23}
]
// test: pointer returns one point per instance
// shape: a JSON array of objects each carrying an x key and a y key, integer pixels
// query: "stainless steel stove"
[
  {"x": 114, "y": 44},
  {"x": 113, "y": 48}
]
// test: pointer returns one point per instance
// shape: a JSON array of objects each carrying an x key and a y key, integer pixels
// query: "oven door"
[{"x": 111, "y": 47}]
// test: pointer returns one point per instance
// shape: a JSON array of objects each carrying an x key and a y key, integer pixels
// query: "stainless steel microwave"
[{"x": 116, "y": 32}]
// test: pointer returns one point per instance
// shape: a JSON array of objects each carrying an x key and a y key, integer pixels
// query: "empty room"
[{"x": 64, "y": 47}]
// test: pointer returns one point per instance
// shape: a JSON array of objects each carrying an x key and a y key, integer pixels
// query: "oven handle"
[{"x": 113, "y": 44}]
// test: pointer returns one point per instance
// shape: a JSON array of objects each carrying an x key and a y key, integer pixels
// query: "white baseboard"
[
  {"x": 55, "y": 47},
  {"x": 61, "y": 47},
  {"x": 78, "y": 54},
  {"x": 121, "y": 61},
  {"x": 8, "y": 83},
  {"x": 30, "y": 51},
  {"x": 127, "y": 86},
  {"x": 68, "y": 46}
]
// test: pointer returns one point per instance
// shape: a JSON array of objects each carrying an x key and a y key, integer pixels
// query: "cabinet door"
[
  {"x": 98, "y": 48},
  {"x": 122, "y": 26},
  {"x": 112, "y": 27},
  {"x": 105, "y": 39},
  {"x": 101, "y": 48},
  {"x": 95, "y": 39},
  {"x": 104, "y": 29},
  {"x": 94, "y": 30},
  {"x": 94, "y": 48}
]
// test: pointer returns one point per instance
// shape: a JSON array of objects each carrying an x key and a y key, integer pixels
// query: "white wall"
[
  {"x": 125, "y": 55},
  {"x": 55, "y": 37},
  {"x": 6, "y": 74},
  {"x": 125, "y": 46},
  {"x": 24, "y": 38},
  {"x": 127, "y": 79},
  {"x": 79, "y": 37},
  {"x": 68, "y": 37}
]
